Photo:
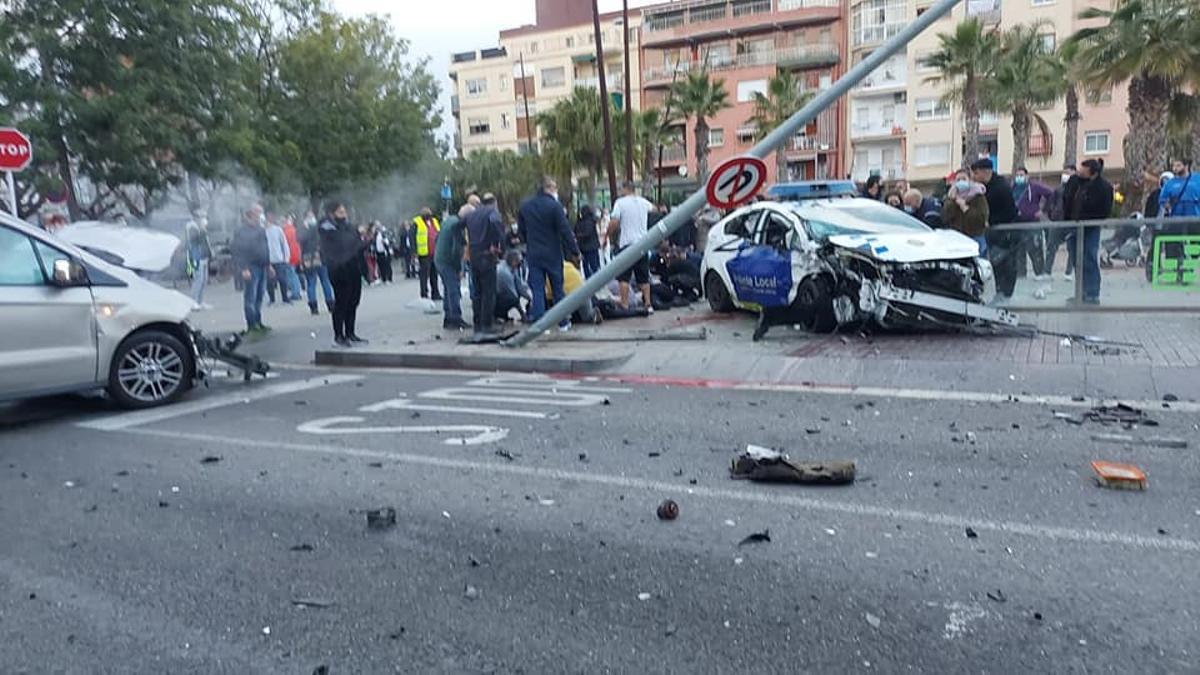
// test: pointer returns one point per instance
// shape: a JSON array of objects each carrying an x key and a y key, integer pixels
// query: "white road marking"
[
  {"x": 961, "y": 615},
  {"x": 769, "y": 498},
  {"x": 544, "y": 383},
  {"x": 515, "y": 396},
  {"x": 328, "y": 427},
  {"x": 239, "y": 396},
  {"x": 405, "y": 404}
]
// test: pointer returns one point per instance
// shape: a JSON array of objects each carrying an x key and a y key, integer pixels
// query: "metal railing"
[
  {"x": 788, "y": 55},
  {"x": 748, "y": 7}
]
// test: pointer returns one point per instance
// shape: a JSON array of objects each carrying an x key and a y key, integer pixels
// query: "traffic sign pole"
[
  {"x": 12, "y": 193},
  {"x": 775, "y": 139}
]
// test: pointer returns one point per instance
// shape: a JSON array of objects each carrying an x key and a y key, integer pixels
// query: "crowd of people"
[
  {"x": 979, "y": 199},
  {"x": 515, "y": 272}
]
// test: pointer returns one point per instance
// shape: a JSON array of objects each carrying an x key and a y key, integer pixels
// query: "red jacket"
[{"x": 289, "y": 231}]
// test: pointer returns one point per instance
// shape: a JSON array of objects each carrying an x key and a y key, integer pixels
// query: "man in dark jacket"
[
  {"x": 251, "y": 260},
  {"x": 342, "y": 252},
  {"x": 448, "y": 258},
  {"x": 1056, "y": 237},
  {"x": 588, "y": 238},
  {"x": 547, "y": 234},
  {"x": 311, "y": 264},
  {"x": 1004, "y": 248},
  {"x": 485, "y": 236},
  {"x": 1088, "y": 196}
]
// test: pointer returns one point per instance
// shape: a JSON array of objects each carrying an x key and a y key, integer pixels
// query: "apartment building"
[
  {"x": 901, "y": 128},
  {"x": 499, "y": 91},
  {"x": 744, "y": 43}
]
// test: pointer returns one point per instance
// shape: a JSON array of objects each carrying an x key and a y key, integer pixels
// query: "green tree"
[
  {"x": 1026, "y": 77},
  {"x": 782, "y": 99},
  {"x": 963, "y": 60},
  {"x": 700, "y": 97},
  {"x": 1067, "y": 66},
  {"x": 504, "y": 173},
  {"x": 572, "y": 135},
  {"x": 650, "y": 131},
  {"x": 350, "y": 103},
  {"x": 1149, "y": 45}
]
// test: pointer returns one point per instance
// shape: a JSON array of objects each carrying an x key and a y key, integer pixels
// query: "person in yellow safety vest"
[{"x": 428, "y": 228}]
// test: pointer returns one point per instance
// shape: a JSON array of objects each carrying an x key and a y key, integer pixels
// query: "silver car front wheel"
[{"x": 150, "y": 368}]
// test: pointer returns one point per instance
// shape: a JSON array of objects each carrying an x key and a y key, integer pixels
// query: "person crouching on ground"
[{"x": 511, "y": 288}]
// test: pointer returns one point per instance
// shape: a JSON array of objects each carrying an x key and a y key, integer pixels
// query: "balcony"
[
  {"x": 674, "y": 155},
  {"x": 818, "y": 138},
  {"x": 454, "y": 105},
  {"x": 867, "y": 132},
  {"x": 692, "y": 20},
  {"x": 987, "y": 11},
  {"x": 800, "y": 56},
  {"x": 1041, "y": 146},
  {"x": 888, "y": 172},
  {"x": 866, "y": 36},
  {"x": 615, "y": 82}
]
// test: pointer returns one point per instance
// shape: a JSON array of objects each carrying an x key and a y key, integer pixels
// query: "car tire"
[
  {"x": 814, "y": 304},
  {"x": 150, "y": 368},
  {"x": 719, "y": 299}
]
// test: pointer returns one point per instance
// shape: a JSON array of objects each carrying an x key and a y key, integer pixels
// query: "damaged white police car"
[{"x": 822, "y": 257}]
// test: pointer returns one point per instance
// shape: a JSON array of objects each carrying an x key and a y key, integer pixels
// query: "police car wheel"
[
  {"x": 718, "y": 296},
  {"x": 814, "y": 300}
]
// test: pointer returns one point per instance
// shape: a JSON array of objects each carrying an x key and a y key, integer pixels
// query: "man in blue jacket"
[
  {"x": 1180, "y": 197},
  {"x": 542, "y": 223}
]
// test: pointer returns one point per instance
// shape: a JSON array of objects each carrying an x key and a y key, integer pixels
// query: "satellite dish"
[{"x": 683, "y": 171}]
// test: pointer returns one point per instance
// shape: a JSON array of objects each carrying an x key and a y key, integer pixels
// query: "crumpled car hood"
[
  {"x": 137, "y": 248},
  {"x": 910, "y": 247}
]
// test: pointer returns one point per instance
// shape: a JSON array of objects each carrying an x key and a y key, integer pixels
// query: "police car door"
[{"x": 778, "y": 232}]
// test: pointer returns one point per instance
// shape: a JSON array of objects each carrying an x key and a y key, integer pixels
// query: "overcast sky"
[{"x": 437, "y": 28}]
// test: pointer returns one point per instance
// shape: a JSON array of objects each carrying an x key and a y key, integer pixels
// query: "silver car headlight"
[{"x": 987, "y": 275}]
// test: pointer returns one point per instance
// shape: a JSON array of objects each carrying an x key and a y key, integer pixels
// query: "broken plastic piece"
[
  {"x": 763, "y": 464},
  {"x": 381, "y": 519},
  {"x": 763, "y": 537},
  {"x": 1119, "y": 476}
]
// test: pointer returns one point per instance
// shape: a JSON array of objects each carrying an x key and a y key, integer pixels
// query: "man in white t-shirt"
[{"x": 629, "y": 216}]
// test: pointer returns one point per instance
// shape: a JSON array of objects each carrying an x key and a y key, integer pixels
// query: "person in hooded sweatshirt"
[
  {"x": 588, "y": 238},
  {"x": 342, "y": 252},
  {"x": 966, "y": 209}
]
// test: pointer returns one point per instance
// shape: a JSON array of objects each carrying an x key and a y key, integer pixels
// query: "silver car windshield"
[{"x": 855, "y": 216}]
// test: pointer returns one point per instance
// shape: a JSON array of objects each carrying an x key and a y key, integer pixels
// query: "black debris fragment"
[
  {"x": 163, "y": 504},
  {"x": 757, "y": 538},
  {"x": 583, "y": 457},
  {"x": 692, "y": 481},
  {"x": 997, "y": 596},
  {"x": 122, "y": 472},
  {"x": 300, "y": 402},
  {"x": 375, "y": 465},
  {"x": 381, "y": 519},
  {"x": 505, "y": 454},
  {"x": 607, "y": 402},
  {"x": 321, "y": 670},
  {"x": 211, "y": 459},
  {"x": 971, "y": 533},
  {"x": 1078, "y": 399},
  {"x": 1162, "y": 531},
  {"x": 415, "y": 415},
  {"x": 472, "y": 561},
  {"x": 678, "y": 473},
  {"x": 396, "y": 635},
  {"x": 812, "y": 431},
  {"x": 302, "y": 548},
  {"x": 315, "y": 603},
  {"x": 92, "y": 509},
  {"x": 653, "y": 454},
  {"x": 1170, "y": 398},
  {"x": 1037, "y": 615},
  {"x": 668, "y": 510},
  {"x": 763, "y": 464}
]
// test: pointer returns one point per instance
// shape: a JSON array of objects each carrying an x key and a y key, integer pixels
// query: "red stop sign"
[{"x": 16, "y": 152}]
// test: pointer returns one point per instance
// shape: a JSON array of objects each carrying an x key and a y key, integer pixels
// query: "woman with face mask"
[
  {"x": 966, "y": 209},
  {"x": 342, "y": 251}
]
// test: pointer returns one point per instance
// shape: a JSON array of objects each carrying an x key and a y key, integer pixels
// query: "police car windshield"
[{"x": 855, "y": 216}]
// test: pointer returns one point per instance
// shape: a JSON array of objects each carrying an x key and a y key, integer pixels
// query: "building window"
[
  {"x": 503, "y": 83},
  {"x": 1049, "y": 42},
  {"x": 862, "y": 117},
  {"x": 745, "y": 135},
  {"x": 1095, "y": 143},
  {"x": 926, "y": 109},
  {"x": 505, "y": 121},
  {"x": 478, "y": 126},
  {"x": 932, "y": 154},
  {"x": 1098, "y": 96},
  {"x": 889, "y": 116},
  {"x": 477, "y": 86},
  {"x": 716, "y": 138},
  {"x": 554, "y": 77},
  {"x": 1042, "y": 3},
  {"x": 533, "y": 47},
  {"x": 923, "y": 63},
  {"x": 746, "y": 90},
  {"x": 570, "y": 41}
]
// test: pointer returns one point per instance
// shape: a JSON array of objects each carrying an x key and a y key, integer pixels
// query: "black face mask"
[{"x": 341, "y": 221}]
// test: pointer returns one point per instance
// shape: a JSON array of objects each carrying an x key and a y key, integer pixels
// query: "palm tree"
[
  {"x": 1068, "y": 74},
  {"x": 649, "y": 132},
  {"x": 964, "y": 58},
  {"x": 511, "y": 177},
  {"x": 572, "y": 138},
  {"x": 701, "y": 97},
  {"x": 772, "y": 109},
  {"x": 1147, "y": 44},
  {"x": 1026, "y": 77}
]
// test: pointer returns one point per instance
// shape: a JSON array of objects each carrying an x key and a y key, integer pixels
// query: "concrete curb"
[{"x": 503, "y": 359}]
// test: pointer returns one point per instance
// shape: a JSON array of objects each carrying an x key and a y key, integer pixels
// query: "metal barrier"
[{"x": 1177, "y": 271}]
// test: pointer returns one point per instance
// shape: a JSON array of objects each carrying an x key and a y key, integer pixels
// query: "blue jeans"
[
  {"x": 252, "y": 295},
  {"x": 451, "y": 294},
  {"x": 982, "y": 241},
  {"x": 311, "y": 275},
  {"x": 537, "y": 286},
  {"x": 293, "y": 282},
  {"x": 1091, "y": 263},
  {"x": 591, "y": 263}
]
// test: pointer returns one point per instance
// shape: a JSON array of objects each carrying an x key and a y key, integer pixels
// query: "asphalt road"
[{"x": 530, "y": 544}]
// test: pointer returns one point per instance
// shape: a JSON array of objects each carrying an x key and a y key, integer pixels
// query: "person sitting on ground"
[
  {"x": 966, "y": 209},
  {"x": 572, "y": 280},
  {"x": 511, "y": 288}
]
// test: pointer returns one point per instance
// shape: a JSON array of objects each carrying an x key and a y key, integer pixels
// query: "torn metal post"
[{"x": 775, "y": 139}]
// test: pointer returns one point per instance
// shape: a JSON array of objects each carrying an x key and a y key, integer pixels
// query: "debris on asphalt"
[
  {"x": 971, "y": 533},
  {"x": 122, "y": 473},
  {"x": 546, "y": 502},
  {"x": 396, "y": 635},
  {"x": 583, "y": 457},
  {"x": 470, "y": 592},
  {"x": 375, "y": 465},
  {"x": 1117, "y": 476},
  {"x": 997, "y": 596},
  {"x": 1162, "y": 531},
  {"x": 446, "y": 515},
  {"x": 472, "y": 561},
  {"x": 668, "y": 510},
  {"x": 1123, "y": 414},
  {"x": 1170, "y": 398},
  {"x": 505, "y": 454},
  {"x": 643, "y": 596},
  {"x": 830, "y": 531},
  {"x": 812, "y": 431},
  {"x": 652, "y": 454},
  {"x": 315, "y": 603},
  {"x": 302, "y": 548},
  {"x": 211, "y": 459},
  {"x": 875, "y": 621},
  {"x": 381, "y": 519},
  {"x": 321, "y": 670},
  {"x": 671, "y": 630},
  {"x": 1037, "y": 616},
  {"x": 266, "y": 630},
  {"x": 163, "y": 504},
  {"x": 92, "y": 509},
  {"x": 1155, "y": 441},
  {"x": 763, "y": 537},
  {"x": 69, "y": 484},
  {"x": 767, "y": 465}
]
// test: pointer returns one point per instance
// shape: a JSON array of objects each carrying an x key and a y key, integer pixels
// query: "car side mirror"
[{"x": 69, "y": 273}]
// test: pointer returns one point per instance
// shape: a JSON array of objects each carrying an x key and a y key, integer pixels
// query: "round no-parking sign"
[{"x": 735, "y": 181}]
